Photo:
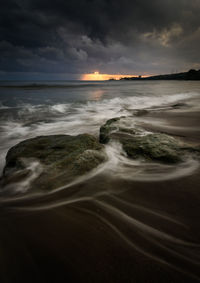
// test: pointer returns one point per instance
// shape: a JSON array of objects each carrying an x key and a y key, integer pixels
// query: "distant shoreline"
[{"x": 190, "y": 75}]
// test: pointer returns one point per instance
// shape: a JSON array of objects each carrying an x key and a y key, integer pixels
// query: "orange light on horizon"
[{"x": 96, "y": 76}]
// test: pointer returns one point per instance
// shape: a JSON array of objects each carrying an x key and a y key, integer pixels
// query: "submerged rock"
[
  {"x": 141, "y": 112},
  {"x": 179, "y": 105},
  {"x": 62, "y": 157},
  {"x": 117, "y": 126},
  {"x": 137, "y": 143}
]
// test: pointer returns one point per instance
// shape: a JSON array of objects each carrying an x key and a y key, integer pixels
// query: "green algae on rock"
[
  {"x": 151, "y": 146},
  {"x": 63, "y": 157},
  {"x": 115, "y": 127},
  {"x": 158, "y": 147},
  {"x": 106, "y": 129}
]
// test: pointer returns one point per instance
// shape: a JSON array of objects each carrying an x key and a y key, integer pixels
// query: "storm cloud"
[{"x": 63, "y": 39}]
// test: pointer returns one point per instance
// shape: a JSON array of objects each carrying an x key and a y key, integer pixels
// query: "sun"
[{"x": 97, "y": 76}]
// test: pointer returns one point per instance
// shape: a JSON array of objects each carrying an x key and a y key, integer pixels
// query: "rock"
[
  {"x": 117, "y": 128},
  {"x": 106, "y": 130},
  {"x": 159, "y": 147},
  {"x": 137, "y": 143},
  {"x": 63, "y": 157}
]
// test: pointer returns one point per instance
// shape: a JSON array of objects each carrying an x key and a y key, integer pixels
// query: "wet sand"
[
  {"x": 109, "y": 230},
  {"x": 176, "y": 122}
]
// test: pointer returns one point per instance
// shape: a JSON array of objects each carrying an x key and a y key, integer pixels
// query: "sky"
[{"x": 65, "y": 39}]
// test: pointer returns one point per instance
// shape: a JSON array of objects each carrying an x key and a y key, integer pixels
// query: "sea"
[
  {"x": 34, "y": 108},
  {"x": 140, "y": 203}
]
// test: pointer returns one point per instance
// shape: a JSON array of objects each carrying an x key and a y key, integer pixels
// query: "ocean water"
[{"x": 132, "y": 198}]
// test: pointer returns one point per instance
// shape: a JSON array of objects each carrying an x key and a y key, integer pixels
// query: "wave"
[{"x": 51, "y": 85}]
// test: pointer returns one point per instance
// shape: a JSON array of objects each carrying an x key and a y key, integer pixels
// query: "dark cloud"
[{"x": 121, "y": 36}]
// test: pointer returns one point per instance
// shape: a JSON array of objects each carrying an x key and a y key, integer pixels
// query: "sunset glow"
[{"x": 96, "y": 76}]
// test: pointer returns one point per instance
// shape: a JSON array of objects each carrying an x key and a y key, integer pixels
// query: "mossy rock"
[
  {"x": 151, "y": 146},
  {"x": 63, "y": 157},
  {"x": 115, "y": 125},
  {"x": 106, "y": 130},
  {"x": 158, "y": 147}
]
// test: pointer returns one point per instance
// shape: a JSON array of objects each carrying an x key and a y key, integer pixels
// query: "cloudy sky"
[{"x": 61, "y": 39}]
